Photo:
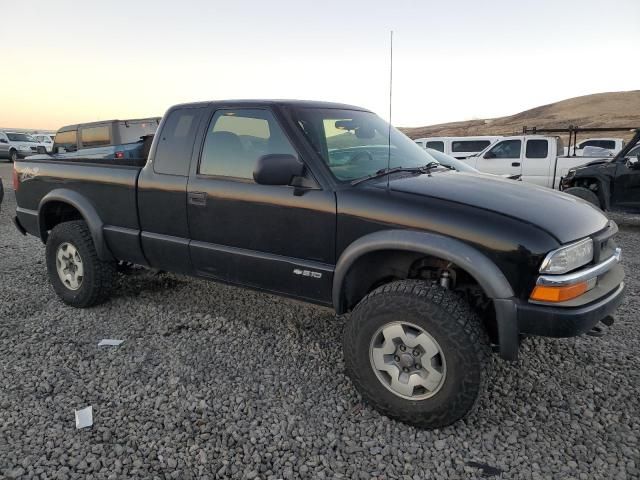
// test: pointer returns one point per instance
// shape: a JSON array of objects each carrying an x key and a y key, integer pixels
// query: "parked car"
[
  {"x": 611, "y": 145},
  {"x": 535, "y": 157},
  {"x": 457, "y": 147},
  {"x": 14, "y": 145},
  {"x": 328, "y": 204},
  {"x": 120, "y": 141},
  {"x": 609, "y": 184},
  {"x": 46, "y": 140}
]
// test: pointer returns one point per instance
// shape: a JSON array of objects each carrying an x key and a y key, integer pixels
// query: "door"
[
  {"x": 536, "y": 164},
  {"x": 4, "y": 145},
  {"x": 274, "y": 238},
  {"x": 503, "y": 158},
  {"x": 626, "y": 184}
]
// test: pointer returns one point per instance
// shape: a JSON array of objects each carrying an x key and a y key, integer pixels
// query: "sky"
[{"x": 67, "y": 62}]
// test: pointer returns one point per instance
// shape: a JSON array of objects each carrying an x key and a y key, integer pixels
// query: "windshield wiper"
[{"x": 386, "y": 171}]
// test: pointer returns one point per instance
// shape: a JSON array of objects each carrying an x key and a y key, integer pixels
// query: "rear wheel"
[
  {"x": 585, "y": 194},
  {"x": 13, "y": 156},
  {"x": 76, "y": 273},
  {"x": 417, "y": 353}
]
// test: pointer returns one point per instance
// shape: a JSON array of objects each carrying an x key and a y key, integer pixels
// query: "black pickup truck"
[{"x": 326, "y": 203}]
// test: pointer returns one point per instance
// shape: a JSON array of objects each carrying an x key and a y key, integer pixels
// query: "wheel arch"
[
  {"x": 475, "y": 263},
  {"x": 484, "y": 271},
  {"x": 603, "y": 191},
  {"x": 62, "y": 205}
]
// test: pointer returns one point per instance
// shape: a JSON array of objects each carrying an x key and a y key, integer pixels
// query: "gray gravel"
[{"x": 218, "y": 382}]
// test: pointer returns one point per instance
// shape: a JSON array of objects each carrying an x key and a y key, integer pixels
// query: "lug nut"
[
  {"x": 418, "y": 366},
  {"x": 416, "y": 353},
  {"x": 405, "y": 370},
  {"x": 396, "y": 358},
  {"x": 402, "y": 348}
]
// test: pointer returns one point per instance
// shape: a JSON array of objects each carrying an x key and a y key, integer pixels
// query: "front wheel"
[
  {"x": 13, "y": 156},
  {"x": 76, "y": 273},
  {"x": 417, "y": 353}
]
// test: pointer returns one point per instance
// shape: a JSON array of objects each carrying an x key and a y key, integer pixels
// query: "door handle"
[
  {"x": 515, "y": 164},
  {"x": 198, "y": 199}
]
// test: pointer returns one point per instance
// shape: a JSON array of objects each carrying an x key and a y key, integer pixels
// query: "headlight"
[{"x": 568, "y": 258}]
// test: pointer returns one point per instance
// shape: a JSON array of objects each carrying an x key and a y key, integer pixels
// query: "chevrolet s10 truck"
[{"x": 328, "y": 204}]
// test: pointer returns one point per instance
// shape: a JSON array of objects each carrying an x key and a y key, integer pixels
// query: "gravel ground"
[{"x": 218, "y": 382}]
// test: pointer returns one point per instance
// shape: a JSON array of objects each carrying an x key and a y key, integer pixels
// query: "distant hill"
[{"x": 598, "y": 110}]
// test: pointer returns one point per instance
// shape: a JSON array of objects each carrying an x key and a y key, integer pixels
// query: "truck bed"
[{"x": 110, "y": 188}]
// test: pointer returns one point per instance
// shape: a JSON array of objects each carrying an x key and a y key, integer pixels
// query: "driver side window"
[
  {"x": 236, "y": 139},
  {"x": 506, "y": 149}
]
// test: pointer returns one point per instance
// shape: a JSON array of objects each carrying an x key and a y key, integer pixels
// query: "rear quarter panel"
[{"x": 111, "y": 190}]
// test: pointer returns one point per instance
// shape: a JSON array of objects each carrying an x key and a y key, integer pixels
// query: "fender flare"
[
  {"x": 87, "y": 211},
  {"x": 483, "y": 270}
]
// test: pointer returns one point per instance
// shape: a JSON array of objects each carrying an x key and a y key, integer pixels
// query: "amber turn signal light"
[{"x": 543, "y": 293}]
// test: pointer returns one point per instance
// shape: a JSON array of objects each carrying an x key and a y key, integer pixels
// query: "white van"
[{"x": 458, "y": 147}]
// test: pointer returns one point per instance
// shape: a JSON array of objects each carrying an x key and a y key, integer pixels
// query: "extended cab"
[{"x": 328, "y": 204}]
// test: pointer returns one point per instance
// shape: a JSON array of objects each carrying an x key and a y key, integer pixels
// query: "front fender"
[
  {"x": 87, "y": 211},
  {"x": 483, "y": 270}
]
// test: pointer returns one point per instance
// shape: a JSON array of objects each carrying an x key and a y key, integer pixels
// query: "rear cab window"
[{"x": 175, "y": 145}]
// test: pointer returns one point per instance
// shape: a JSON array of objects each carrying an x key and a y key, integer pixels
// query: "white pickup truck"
[{"x": 538, "y": 159}]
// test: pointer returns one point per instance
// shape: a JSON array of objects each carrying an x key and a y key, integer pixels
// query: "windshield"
[
  {"x": 20, "y": 137},
  {"x": 355, "y": 144},
  {"x": 449, "y": 161}
]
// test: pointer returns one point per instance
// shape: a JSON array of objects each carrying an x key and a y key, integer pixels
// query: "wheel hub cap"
[
  {"x": 69, "y": 266},
  {"x": 407, "y": 360}
]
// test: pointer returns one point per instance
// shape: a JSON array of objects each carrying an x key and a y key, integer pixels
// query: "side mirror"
[{"x": 277, "y": 169}]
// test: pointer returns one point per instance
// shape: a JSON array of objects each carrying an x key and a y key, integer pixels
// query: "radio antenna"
[{"x": 390, "y": 97}]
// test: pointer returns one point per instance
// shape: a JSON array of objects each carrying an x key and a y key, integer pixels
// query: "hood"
[
  {"x": 565, "y": 217},
  {"x": 598, "y": 161}
]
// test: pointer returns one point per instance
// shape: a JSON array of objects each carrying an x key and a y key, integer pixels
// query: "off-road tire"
[
  {"x": 13, "y": 155},
  {"x": 585, "y": 194},
  {"x": 99, "y": 275},
  {"x": 449, "y": 320}
]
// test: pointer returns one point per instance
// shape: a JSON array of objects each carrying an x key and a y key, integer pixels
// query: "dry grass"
[{"x": 610, "y": 109}]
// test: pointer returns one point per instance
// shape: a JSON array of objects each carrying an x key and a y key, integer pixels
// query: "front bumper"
[
  {"x": 567, "y": 321},
  {"x": 516, "y": 317}
]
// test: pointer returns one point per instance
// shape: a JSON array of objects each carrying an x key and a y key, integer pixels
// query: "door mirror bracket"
[{"x": 301, "y": 184}]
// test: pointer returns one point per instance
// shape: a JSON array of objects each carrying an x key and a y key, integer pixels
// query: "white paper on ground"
[
  {"x": 109, "y": 342},
  {"x": 84, "y": 417}
]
